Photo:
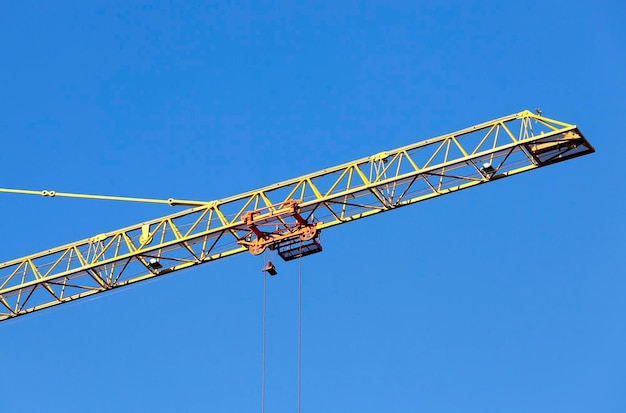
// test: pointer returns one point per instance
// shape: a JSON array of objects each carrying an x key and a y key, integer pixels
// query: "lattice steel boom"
[{"x": 289, "y": 215}]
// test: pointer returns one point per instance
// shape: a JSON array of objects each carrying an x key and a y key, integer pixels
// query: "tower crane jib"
[{"x": 287, "y": 216}]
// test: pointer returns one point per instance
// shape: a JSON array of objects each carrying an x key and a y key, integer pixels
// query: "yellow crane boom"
[{"x": 287, "y": 216}]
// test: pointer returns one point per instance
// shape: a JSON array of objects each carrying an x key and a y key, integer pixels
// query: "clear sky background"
[{"x": 504, "y": 298}]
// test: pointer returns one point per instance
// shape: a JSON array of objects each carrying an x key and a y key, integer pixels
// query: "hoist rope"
[
  {"x": 300, "y": 332},
  {"x": 264, "y": 351}
]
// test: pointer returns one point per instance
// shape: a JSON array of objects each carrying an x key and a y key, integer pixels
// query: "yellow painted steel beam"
[{"x": 387, "y": 180}]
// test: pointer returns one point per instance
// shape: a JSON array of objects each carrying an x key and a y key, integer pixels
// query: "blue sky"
[{"x": 506, "y": 297}]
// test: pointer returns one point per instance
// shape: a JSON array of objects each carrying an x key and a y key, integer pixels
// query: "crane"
[{"x": 286, "y": 217}]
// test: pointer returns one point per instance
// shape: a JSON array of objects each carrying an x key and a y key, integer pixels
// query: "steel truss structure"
[{"x": 288, "y": 215}]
